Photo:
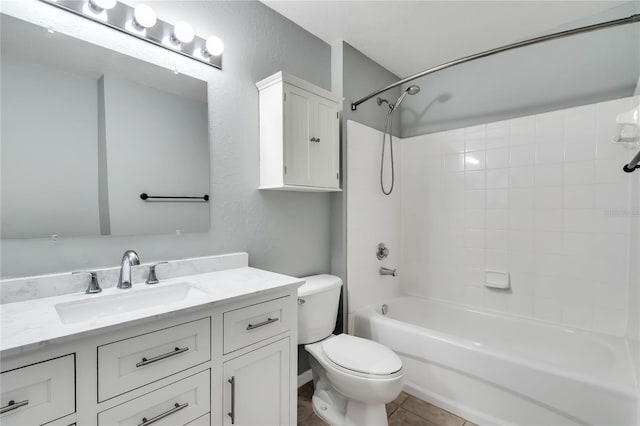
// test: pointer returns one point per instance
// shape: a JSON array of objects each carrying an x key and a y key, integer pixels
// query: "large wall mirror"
[{"x": 86, "y": 131}]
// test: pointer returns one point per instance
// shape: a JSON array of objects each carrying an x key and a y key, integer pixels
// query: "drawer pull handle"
[
  {"x": 232, "y": 413},
  {"x": 177, "y": 407},
  {"x": 176, "y": 351},
  {"x": 12, "y": 405},
  {"x": 261, "y": 324}
]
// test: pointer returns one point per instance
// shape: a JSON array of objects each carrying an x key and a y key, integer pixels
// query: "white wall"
[
  {"x": 372, "y": 218},
  {"x": 543, "y": 197},
  {"x": 48, "y": 122}
]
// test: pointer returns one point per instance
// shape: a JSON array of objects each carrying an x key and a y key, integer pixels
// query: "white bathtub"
[{"x": 495, "y": 369}]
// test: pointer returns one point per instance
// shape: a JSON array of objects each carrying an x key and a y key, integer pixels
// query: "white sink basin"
[{"x": 126, "y": 301}]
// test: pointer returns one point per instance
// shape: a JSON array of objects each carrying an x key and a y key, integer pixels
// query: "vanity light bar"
[{"x": 141, "y": 22}]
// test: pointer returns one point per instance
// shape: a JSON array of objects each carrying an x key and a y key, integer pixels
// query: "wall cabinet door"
[
  {"x": 324, "y": 156},
  {"x": 297, "y": 135},
  {"x": 256, "y": 387},
  {"x": 311, "y": 139}
]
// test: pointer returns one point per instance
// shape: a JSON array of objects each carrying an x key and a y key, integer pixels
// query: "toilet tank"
[{"x": 318, "y": 300}]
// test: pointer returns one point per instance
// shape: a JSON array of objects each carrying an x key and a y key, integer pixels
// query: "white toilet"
[{"x": 353, "y": 377}]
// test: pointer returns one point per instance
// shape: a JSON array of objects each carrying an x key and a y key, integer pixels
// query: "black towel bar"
[{"x": 144, "y": 196}]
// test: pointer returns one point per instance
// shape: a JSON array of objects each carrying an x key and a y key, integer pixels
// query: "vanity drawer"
[
  {"x": 179, "y": 403},
  {"x": 251, "y": 324},
  {"x": 130, "y": 363},
  {"x": 42, "y": 392},
  {"x": 201, "y": 421}
]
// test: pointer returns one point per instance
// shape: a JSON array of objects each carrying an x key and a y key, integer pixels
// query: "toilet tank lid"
[{"x": 318, "y": 283}]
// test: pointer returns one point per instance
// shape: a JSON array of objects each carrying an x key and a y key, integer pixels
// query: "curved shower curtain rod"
[{"x": 628, "y": 20}]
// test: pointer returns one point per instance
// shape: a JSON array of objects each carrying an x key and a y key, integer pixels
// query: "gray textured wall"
[
  {"x": 360, "y": 77},
  {"x": 282, "y": 231},
  {"x": 564, "y": 73}
]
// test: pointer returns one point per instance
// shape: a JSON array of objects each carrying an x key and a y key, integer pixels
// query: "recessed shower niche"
[{"x": 87, "y": 130}]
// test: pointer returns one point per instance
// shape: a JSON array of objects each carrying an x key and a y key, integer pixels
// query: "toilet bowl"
[{"x": 353, "y": 377}]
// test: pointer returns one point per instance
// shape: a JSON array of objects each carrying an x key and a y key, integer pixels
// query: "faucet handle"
[
  {"x": 153, "y": 279},
  {"x": 94, "y": 286}
]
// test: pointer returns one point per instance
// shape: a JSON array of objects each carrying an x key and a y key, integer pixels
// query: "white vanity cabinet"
[
  {"x": 38, "y": 393},
  {"x": 170, "y": 369},
  {"x": 256, "y": 387},
  {"x": 299, "y": 135}
]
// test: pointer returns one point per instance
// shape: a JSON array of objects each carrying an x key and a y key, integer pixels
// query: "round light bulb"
[
  {"x": 103, "y": 4},
  {"x": 183, "y": 32},
  {"x": 144, "y": 16},
  {"x": 214, "y": 46}
]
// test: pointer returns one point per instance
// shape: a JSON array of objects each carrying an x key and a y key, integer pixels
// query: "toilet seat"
[{"x": 361, "y": 357}]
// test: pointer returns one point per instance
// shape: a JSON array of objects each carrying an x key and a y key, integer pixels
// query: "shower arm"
[{"x": 608, "y": 24}]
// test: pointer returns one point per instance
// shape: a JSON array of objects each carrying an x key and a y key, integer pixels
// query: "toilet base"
[
  {"x": 337, "y": 410},
  {"x": 359, "y": 414}
]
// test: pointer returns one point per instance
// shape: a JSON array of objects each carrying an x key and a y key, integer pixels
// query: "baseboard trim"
[{"x": 304, "y": 378}]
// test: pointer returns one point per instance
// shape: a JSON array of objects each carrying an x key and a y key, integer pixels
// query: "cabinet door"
[
  {"x": 297, "y": 106},
  {"x": 324, "y": 156},
  {"x": 256, "y": 387}
]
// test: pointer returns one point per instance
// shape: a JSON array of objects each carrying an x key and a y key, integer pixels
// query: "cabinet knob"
[{"x": 313, "y": 140}]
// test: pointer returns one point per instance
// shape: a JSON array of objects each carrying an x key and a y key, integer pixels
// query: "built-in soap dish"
[
  {"x": 628, "y": 126},
  {"x": 495, "y": 279}
]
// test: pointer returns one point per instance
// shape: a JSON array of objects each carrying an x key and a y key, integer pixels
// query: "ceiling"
[{"x": 406, "y": 37}]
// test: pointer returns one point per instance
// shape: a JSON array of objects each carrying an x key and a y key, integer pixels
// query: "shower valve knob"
[{"x": 382, "y": 251}]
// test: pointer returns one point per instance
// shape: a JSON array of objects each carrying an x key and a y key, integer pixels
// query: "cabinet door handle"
[
  {"x": 176, "y": 351},
  {"x": 177, "y": 407},
  {"x": 232, "y": 413},
  {"x": 318, "y": 140},
  {"x": 261, "y": 324},
  {"x": 12, "y": 405},
  {"x": 313, "y": 140}
]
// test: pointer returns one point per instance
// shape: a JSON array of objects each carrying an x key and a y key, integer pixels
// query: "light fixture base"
[{"x": 120, "y": 18}]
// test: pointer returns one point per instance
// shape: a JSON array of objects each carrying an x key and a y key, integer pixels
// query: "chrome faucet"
[
  {"x": 129, "y": 259},
  {"x": 387, "y": 271}
]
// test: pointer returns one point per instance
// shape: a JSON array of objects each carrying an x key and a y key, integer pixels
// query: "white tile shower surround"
[{"x": 543, "y": 197}]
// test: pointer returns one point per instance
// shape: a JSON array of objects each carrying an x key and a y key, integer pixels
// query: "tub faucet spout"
[{"x": 388, "y": 271}]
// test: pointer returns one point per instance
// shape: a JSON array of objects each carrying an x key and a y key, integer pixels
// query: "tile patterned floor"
[{"x": 405, "y": 410}]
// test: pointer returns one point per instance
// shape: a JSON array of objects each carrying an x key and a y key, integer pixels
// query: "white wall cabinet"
[
  {"x": 170, "y": 370},
  {"x": 299, "y": 135},
  {"x": 256, "y": 388}
]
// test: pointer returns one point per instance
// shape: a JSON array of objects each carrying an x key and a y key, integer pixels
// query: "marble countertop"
[{"x": 33, "y": 324}]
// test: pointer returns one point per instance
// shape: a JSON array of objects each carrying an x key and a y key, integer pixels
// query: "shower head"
[{"x": 411, "y": 90}]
